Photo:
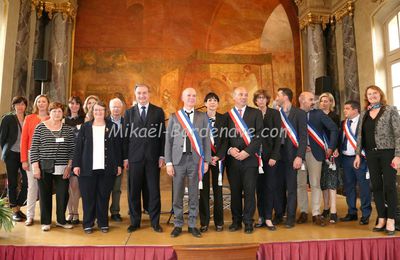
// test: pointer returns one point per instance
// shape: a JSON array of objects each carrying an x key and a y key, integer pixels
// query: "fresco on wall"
[{"x": 175, "y": 45}]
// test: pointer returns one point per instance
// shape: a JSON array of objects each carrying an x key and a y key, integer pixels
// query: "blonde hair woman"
[
  {"x": 87, "y": 106},
  {"x": 330, "y": 179},
  {"x": 39, "y": 114}
]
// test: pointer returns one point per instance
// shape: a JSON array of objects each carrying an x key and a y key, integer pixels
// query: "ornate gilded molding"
[
  {"x": 346, "y": 9},
  {"x": 315, "y": 18},
  {"x": 298, "y": 2},
  {"x": 67, "y": 9}
]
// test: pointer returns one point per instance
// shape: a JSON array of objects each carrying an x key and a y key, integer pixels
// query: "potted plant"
[{"x": 6, "y": 221}]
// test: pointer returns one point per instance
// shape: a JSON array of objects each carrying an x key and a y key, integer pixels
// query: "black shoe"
[
  {"x": 235, "y": 227},
  {"x": 195, "y": 232},
  {"x": 157, "y": 228},
  {"x": 132, "y": 228},
  {"x": 176, "y": 231},
  {"x": 349, "y": 217},
  {"x": 203, "y": 229},
  {"x": 248, "y": 228},
  {"x": 21, "y": 214},
  {"x": 333, "y": 218},
  {"x": 277, "y": 220},
  {"x": 116, "y": 217},
  {"x": 270, "y": 228},
  {"x": 289, "y": 223},
  {"x": 364, "y": 220},
  {"x": 16, "y": 217},
  {"x": 219, "y": 228},
  {"x": 302, "y": 218},
  {"x": 104, "y": 229},
  {"x": 390, "y": 232},
  {"x": 326, "y": 213},
  {"x": 259, "y": 225},
  {"x": 319, "y": 220},
  {"x": 379, "y": 229},
  {"x": 88, "y": 230}
]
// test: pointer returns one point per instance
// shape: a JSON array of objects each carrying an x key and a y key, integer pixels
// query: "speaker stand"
[{"x": 42, "y": 88}]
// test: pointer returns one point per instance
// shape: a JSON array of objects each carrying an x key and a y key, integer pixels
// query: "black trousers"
[
  {"x": 141, "y": 174},
  {"x": 204, "y": 202},
  {"x": 286, "y": 189},
  {"x": 61, "y": 185},
  {"x": 95, "y": 191},
  {"x": 14, "y": 167},
  {"x": 383, "y": 180},
  {"x": 266, "y": 185},
  {"x": 242, "y": 179}
]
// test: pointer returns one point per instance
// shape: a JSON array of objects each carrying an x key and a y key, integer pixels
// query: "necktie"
[
  {"x": 188, "y": 144},
  {"x": 240, "y": 112},
  {"x": 143, "y": 114},
  {"x": 344, "y": 144}
]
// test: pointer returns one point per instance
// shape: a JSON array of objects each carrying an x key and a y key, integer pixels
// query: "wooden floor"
[{"x": 118, "y": 235}]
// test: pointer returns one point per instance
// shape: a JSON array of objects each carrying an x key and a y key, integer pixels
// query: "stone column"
[
  {"x": 331, "y": 64},
  {"x": 58, "y": 56},
  {"x": 352, "y": 90},
  {"x": 22, "y": 50},
  {"x": 316, "y": 55}
]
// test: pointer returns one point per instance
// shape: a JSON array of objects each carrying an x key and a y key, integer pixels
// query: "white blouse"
[{"x": 98, "y": 147}]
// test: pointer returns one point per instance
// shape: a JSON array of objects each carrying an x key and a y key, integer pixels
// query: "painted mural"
[{"x": 176, "y": 45}]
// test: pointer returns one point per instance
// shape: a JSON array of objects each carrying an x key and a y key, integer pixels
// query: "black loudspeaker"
[
  {"x": 323, "y": 84},
  {"x": 42, "y": 70}
]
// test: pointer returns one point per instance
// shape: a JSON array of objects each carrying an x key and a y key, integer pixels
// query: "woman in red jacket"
[{"x": 39, "y": 114}]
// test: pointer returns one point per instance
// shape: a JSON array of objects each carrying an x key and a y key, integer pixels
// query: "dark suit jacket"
[
  {"x": 254, "y": 121},
  {"x": 220, "y": 135},
  {"x": 8, "y": 133},
  {"x": 271, "y": 144},
  {"x": 83, "y": 156},
  {"x": 144, "y": 140},
  {"x": 322, "y": 123},
  {"x": 298, "y": 119}
]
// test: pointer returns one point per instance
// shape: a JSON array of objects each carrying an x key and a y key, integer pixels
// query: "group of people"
[{"x": 270, "y": 156}]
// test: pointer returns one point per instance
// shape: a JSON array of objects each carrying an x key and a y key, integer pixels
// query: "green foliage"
[{"x": 6, "y": 221}]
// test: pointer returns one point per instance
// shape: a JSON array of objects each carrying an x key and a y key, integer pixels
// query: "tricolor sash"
[
  {"x": 351, "y": 138},
  {"x": 291, "y": 132},
  {"x": 320, "y": 140},
  {"x": 194, "y": 138},
  {"x": 243, "y": 130},
  {"x": 214, "y": 149}
]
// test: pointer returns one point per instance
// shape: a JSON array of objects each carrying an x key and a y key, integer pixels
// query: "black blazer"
[
  {"x": 220, "y": 135},
  {"x": 83, "y": 156},
  {"x": 253, "y": 118},
  {"x": 322, "y": 123},
  {"x": 271, "y": 142},
  {"x": 144, "y": 140},
  {"x": 298, "y": 119},
  {"x": 9, "y": 128}
]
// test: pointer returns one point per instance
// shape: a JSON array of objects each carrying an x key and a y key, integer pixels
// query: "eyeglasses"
[{"x": 99, "y": 110}]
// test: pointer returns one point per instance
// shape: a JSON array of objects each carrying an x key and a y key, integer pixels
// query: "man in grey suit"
[{"x": 183, "y": 160}]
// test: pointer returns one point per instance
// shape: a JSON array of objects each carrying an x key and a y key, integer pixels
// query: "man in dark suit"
[
  {"x": 187, "y": 154},
  {"x": 293, "y": 148},
  {"x": 244, "y": 129},
  {"x": 352, "y": 175},
  {"x": 316, "y": 153},
  {"x": 217, "y": 122},
  {"x": 144, "y": 156}
]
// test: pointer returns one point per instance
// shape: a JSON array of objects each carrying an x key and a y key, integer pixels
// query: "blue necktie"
[
  {"x": 344, "y": 144},
  {"x": 143, "y": 114}
]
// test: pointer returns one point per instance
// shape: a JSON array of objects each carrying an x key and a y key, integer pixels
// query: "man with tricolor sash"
[
  {"x": 318, "y": 149},
  {"x": 352, "y": 176},
  {"x": 217, "y": 124},
  {"x": 243, "y": 161},
  {"x": 293, "y": 148},
  {"x": 187, "y": 155}
]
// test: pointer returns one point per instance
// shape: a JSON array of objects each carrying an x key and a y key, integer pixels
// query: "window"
[{"x": 393, "y": 57}]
